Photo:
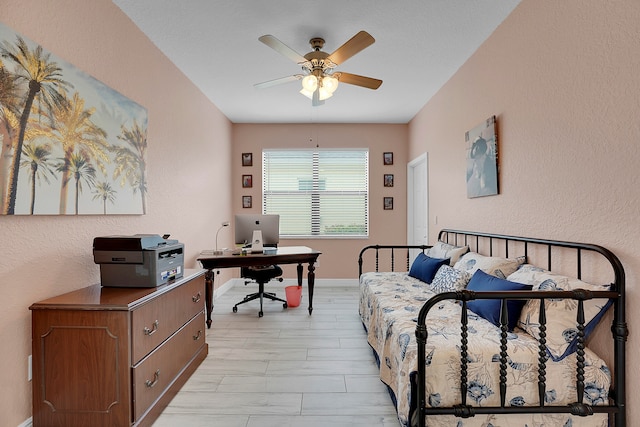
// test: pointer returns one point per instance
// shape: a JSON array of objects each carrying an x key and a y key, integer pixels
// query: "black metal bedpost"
[
  {"x": 542, "y": 353},
  {"x": 620, "y": 332},
  {"x": 580, "y": 408},
  {"x": 421, "y": 340},
  {"x": 580, "y": 353},
  {"x": 464, "y": 356},
  {"x": 504, "y": 320},
  {"x": 393, "y": 260}
]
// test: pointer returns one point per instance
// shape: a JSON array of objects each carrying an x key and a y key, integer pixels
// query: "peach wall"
[
  {"x": 339, "y": 256},
  {"x": 48, "y": 255},
  {"x": 562, "y": 78}
]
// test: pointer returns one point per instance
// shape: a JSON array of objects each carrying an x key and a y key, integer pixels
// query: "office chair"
[{"x": 261, "y": 275}]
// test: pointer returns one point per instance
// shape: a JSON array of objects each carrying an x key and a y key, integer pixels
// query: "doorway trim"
[{"x": 420, "y": 161}]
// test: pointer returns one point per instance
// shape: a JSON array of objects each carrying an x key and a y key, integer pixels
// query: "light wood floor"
[{"x": 286, "y": 368}]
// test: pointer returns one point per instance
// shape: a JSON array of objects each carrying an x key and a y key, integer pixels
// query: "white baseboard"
[
  {"x": 218, "y": 292},
  {"x": 323, "y": 282},
  {"x": 27, "y": 423}
]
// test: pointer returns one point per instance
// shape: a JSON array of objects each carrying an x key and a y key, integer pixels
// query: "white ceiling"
[{"x": 419, "y": 45}]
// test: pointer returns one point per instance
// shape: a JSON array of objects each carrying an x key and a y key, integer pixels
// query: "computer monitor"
[{"x": 246, "y": 224}]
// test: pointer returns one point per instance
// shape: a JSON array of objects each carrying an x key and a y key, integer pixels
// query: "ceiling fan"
[{"x": 319, "y": 80}]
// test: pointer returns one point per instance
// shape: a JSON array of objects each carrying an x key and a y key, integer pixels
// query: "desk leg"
[
  {"x": 299, "y": 274},
  {"x": 311, "y": 278},
  {"x": 208, "y": 294}
]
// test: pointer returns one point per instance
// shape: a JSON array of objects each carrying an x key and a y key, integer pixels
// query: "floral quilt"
[{"x": 389, "y": 306}]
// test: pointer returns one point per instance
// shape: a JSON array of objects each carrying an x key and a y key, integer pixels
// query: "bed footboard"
[{"x": 464, "y": 410}]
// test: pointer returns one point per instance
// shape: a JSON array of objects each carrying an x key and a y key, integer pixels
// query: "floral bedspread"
[{"x": 389, "y": 306}]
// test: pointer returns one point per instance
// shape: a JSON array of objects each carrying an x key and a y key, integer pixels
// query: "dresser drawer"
[
  {"x": 156, "y": 372},
  {"x": 154, "y": 322}
]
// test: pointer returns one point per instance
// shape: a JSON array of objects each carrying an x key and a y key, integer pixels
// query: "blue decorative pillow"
[
  {"x": 424, "y": 267},
  {"x": 490, "y": 308}
]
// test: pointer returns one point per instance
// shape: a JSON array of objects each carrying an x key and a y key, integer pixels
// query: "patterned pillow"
[
  {"x": 444, "y": 250},
  {"x": 448, "y": 279},
  {"x": 561, "y": 313},
  {"x": 495, "y": 266}
]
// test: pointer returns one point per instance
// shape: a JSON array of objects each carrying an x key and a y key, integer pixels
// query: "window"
[{"x": 317, "y": 193}]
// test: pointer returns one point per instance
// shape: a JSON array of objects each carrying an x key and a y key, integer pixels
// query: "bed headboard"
[{"x": 513, "y": 246}]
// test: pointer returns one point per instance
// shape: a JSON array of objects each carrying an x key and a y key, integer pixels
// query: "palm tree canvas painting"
[{"x": 70, "y": 145}]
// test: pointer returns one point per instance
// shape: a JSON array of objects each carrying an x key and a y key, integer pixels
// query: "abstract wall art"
[{"x": 482, "y": 159}]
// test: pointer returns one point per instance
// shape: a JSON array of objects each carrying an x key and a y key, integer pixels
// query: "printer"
[{"x": 138, "y": 261}]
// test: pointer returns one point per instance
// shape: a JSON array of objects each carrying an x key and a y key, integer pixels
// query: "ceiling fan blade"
[
  {"x": 352, "y": 46},
  {"x": 279, "y": 81},
  {"x": 354, "y": 79},
  {"x": 282, "y": 48}
]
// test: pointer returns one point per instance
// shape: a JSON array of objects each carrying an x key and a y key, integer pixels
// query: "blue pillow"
[
  {"x": 425, "y": 268},
  {"x": 490, "y": 308}
]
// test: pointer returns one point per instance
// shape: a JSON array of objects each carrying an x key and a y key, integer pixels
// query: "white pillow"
[
  {"x": 448, "y": 279},
  {"x": 495, "y": 266},
  {"x": 444, "y": 250},
  {"x": 561, "y": 313}
]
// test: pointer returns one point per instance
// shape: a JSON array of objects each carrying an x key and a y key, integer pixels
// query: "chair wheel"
[
  {"x": 285, "y": 305},
  {"x": 260, "y": 314},
  {"x": 235, "y": 309}
]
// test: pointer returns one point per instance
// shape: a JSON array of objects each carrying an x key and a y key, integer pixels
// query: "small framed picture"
[
  {"x": 388, "y": 203},
  {"x": 247, "y": 181},
  {"x": 247, "y": 159},
  {"x": 388, "y": 158},
  {"x": 388, "y": 180},
  {"x": 246, "y": 202}
]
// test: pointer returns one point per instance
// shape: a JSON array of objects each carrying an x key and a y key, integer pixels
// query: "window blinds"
[{"x": 317, "y": 193}]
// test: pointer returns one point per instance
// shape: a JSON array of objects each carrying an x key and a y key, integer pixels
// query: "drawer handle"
[
  {"x": 197, "y": 337},
  {"x": 196, "y": 298},
  {"x": 156, "y": 377},
  {"x": 153, "y": 330}
]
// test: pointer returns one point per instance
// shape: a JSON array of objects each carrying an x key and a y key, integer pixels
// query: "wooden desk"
[{"x": 284, "y": 255}]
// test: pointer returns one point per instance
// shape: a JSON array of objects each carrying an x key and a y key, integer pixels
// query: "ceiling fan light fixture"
[
  {"x": 309, "y": 83},
  {"x": 330, "y": 83},
  {"x": 307, "y": 93},
  {"x": 324, "y": 93}
]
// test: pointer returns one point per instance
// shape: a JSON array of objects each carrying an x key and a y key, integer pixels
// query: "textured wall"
[
  {"x": 49, "y": 255},
  {"x": 562, "y": 78}
]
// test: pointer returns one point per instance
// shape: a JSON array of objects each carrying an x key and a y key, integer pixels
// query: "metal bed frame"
[{"x": 617, "y": 394}]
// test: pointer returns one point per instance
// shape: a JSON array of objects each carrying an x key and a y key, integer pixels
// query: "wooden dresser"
[{"x": 115, "y": 356}]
